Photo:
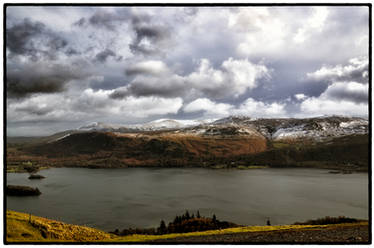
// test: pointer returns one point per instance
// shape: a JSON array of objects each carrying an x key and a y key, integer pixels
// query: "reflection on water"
[{"x": 138, "y": 197}]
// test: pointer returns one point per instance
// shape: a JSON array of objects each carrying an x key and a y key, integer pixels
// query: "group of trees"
[
  {"x": 192, "y": 223},
  {"x": 182, "y": 224}
]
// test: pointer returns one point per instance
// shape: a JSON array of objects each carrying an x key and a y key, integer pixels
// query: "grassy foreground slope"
[{"x": 20, "y": 229}]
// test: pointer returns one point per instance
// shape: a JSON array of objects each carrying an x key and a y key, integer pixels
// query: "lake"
[{"x": 140, "y": 197}]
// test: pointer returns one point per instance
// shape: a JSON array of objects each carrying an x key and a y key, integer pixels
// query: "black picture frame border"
[{"x": 28, "y": 4}]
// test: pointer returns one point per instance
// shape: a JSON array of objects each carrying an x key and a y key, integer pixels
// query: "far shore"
[{"x": 331, "y": 169}]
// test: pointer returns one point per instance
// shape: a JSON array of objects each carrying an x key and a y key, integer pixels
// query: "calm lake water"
[{"x": 138, "y": 197}]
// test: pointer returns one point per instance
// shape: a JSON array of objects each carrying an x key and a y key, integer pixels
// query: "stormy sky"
[{"x": 69, "y": 66}]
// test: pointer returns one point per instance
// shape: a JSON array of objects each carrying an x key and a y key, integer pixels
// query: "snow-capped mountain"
[
  {"x": 233, "y": 141},
  {"x": 317, "y": 128},
  {"x": 162, "y": 124}
]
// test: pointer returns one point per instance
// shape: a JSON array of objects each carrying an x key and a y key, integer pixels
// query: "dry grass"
[
  {"x": 19, "y": 229},
  {"x": 150, "y": 238}
]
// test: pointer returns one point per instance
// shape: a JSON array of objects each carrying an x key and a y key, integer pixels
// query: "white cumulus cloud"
[
  {"x": 253, "y": 108},
  {"x": 209, "y": 107},
  {"x": 314, "y": 23},
  {"x": 233, "y": 79},
  {"x": 249, "y": 107},
  {"x": 355, "y": 70},
  {"x": 300, "y": 96},
  {"x": 341, "y": 98},
  {"x": 321, "y": 106}
]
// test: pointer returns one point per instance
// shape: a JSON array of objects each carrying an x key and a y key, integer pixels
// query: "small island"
[
  {"x": 35, "y": 176},
  {"x": 16, "y": 190}
]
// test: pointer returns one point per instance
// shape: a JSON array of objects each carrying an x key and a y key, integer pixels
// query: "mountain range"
[{"x": 235, "y": 141}]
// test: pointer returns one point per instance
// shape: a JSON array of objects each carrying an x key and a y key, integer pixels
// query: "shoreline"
[{"x": 332, "y": 169}]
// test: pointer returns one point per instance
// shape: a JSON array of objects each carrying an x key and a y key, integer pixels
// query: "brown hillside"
[{"x": 104, "y": 149}]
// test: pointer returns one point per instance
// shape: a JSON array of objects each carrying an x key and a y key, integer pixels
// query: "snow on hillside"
[
  {"x": 360, "y": 123},
  {"x": 276, "y": 129},
  {"x": 60, "y": 138},
  {"x": 320, "y": 129},
  {"x": 288, "y": 128},
  {"x": 233, "y": 119},
  {"x": 292, "y": 132},
  {"x": 161, "y": 124}
]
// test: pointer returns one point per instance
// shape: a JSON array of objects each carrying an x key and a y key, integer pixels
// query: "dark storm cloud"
[
  {"x": 20, "y": 36},
  {"x": 106, "y": 19},
  {"x": 102, "y": 56},
  {"x": 355, "y": 74},
  {"x": 139, "y": 90},
  {"x": 353, "y": 92},
  {"x": 120, "y": 93},
  {"x": 149, "y": 32},
  {"x": 168, "y": 89},
  {"x": 137, "y": 19},
  {"x": 38, "y": 78},
  {"x": 343, "y": 82},
  {"x": 152, "y": 34},
  {"x": 191, "y": 11},
  {"x": 57, "y": 43},
  {"x": 144, "y": 88},
  {"x": 35, "y": 110},
  {"x": 138, "y": 49},
  {"x": 80, "y": 22},
  {"x": 359, "y": 74},
  {"x": 140, "y": 24},
  {"x": 17, "y": 88},
  {"x": 71, "y": 51},
  {"x": 112, "y": 19},
  {"x": 166, "y": 85},
  {"x": 33, "y": 39},
  {"x": 145, "y": 31},
  {"x": 133, "y": 71}
]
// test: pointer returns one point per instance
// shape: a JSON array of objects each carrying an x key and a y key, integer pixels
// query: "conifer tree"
[
  {"x": 162, "y": 228},
  {"x": 187, "y": 215},
  {"x": 176, "y": 219}
]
